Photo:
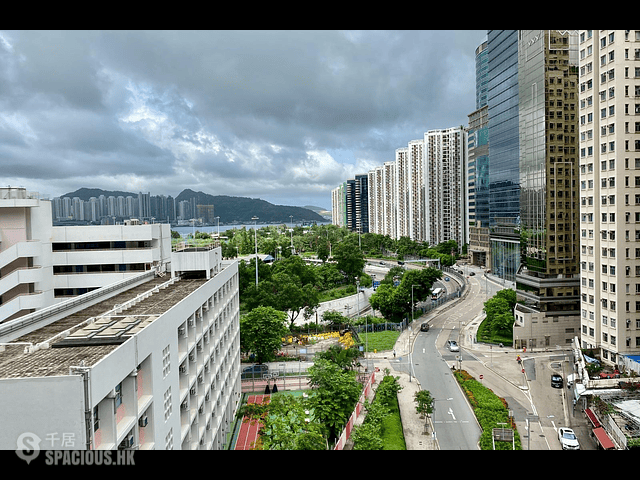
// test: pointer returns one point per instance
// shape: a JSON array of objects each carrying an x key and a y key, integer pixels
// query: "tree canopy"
[
  {"x": 395, "y": 302},
  {"x": 261, "y": 332}
]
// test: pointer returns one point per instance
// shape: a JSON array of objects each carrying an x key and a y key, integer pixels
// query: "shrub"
[
  {"x": 489, "y": 409},
  {"x": 382, "y": 427}
]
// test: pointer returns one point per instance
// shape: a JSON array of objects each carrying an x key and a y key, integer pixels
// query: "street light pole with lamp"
[{"x": 255, "y": 236}]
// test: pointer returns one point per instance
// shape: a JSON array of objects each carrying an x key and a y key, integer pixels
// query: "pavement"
[{"x": 498, "y": 367}]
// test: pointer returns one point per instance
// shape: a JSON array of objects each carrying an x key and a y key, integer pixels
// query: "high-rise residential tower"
[
  {"x": 609, "y": 177},
  {"x": 445, "y": 173}
]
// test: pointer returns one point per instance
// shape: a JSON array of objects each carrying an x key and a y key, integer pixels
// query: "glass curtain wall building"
[
  {"x": 548, "y": 279},
  {"x": 504, "y": 144}
]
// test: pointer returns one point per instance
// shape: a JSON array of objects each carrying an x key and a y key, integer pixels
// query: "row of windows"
[
  {"x": 612, "y": 319},
  {"x": 611, "y": 339},
  {"x": 607, "y": 76},
  {"x": 610, "y": 38}
]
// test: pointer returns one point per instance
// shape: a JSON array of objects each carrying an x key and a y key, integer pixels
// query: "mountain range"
[{"x": 229, "y": 209}]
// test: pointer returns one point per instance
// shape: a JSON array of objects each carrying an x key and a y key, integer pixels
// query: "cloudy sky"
[{"x": 284, "y": 116}]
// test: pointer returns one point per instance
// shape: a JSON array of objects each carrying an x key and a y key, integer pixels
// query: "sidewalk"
[{"x": 413, "y": 426}]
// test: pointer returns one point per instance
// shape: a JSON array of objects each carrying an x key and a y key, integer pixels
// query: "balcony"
[
  {"x": 30, "y": 248},
  {"x": 26, "y": 301}
]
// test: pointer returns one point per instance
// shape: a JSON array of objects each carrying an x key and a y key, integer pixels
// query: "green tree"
[
  {"x": 349, "y": 258},
  {"x": 323, "y": 249},
  {"x": 509, "y": 294},
  {"x": 335, "y": 394},
  {"x": 334, "y": 318},
  {"x": 395, "y": 302},
  {"x": 345, "y": 358},
  {"x": 261, "y": 332},
  {"x": 424, "y": 402},
  {"x": 284, "y": 423},
  {"x": 502, "y": 323},
  {"x": 285, "y": 292}
]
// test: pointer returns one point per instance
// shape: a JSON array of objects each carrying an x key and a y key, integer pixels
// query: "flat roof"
[{"x": 89, "y": 342}]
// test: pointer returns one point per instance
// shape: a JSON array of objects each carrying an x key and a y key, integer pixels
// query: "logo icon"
[{"x": 28, "y": 446}]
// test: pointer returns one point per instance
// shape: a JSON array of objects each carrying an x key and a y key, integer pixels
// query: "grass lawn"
[{"x": 379, "y": 341}]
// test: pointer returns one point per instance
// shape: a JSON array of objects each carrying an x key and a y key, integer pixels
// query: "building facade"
[
  {"x": 548, "y": 280},
  {"x": 26, "y": 279},
  {"x": 149, "y": 363},
  {"x": 478, "y": 187},
  {"x": 609, "y": 177},
  {"x": 41, "y": 264},
  {"x": 445, "y": 173}
]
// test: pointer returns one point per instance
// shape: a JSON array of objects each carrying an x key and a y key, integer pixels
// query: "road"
[
  {"x": 454, "y": 422},
  {"x": 538, "y": 409}
]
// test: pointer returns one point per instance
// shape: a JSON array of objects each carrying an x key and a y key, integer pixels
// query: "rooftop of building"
[{"x": 93, "y": 332}]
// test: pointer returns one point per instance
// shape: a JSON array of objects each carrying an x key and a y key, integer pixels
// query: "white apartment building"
[
  {"x": 422, "y": 194},
  {"x": 150, "y": 362},
  {"x": 41, "y": 264},
  {"x": 338, "y": 206},
  {"x": 609, "y": 191},
  {"x": 389, "y": 196},
  {"x": 445, "y": 174},
  {"x": 374, "y": 177},
  {"x": 417, "y": 225},
  {"x": 401, "y": 191}
]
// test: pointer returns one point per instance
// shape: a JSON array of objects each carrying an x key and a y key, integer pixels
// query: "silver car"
[
  {"x": 453, "y": 346},
  {"x": 568, "y": 439}
]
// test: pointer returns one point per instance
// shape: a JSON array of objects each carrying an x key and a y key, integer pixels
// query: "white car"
[
  {"x": 568, "y": 439},
  {"x": 453, "y": 346}
]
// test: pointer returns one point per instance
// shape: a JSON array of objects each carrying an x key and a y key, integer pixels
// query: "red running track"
[{"x": 248, "y": 433}]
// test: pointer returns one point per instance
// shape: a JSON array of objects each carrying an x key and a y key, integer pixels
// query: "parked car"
[
  {"x": 568, "y": 439},
  {"x": 453, "y": 346},
  {"x": 424, "y": 327},
  {"x": 254, "y": 372},
  {"x": 556, "y": 380}
]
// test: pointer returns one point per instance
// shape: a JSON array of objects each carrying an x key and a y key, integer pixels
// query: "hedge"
[{"x": 489, "y": 409}]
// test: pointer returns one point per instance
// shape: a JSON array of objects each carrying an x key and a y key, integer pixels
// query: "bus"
[{"x": 437, "y": 293}]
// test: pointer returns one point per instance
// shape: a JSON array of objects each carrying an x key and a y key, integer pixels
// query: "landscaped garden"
[
  {"x": 497, "y": 327},
  {"x": 382, "y": 426}
]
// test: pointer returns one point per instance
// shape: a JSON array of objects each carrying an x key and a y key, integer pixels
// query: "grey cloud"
[{"x": 181, "y": 104}]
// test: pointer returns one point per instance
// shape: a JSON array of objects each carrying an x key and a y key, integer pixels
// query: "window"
[
  {"x": 118, "y": 395},
  {"x": 96, "y": 419}
]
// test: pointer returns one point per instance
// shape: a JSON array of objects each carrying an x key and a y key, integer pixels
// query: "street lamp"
[
  {"x": 291, "y": 231},
  {"x": 218, "y": 218},
  {"x": 255, "y": 236}
]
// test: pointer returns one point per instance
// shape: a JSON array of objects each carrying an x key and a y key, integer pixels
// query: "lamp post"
[
  {"x": 291, "y": 231},
  {"x": 218, "y": 218},
  {"x": 255, "y": 236}
]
